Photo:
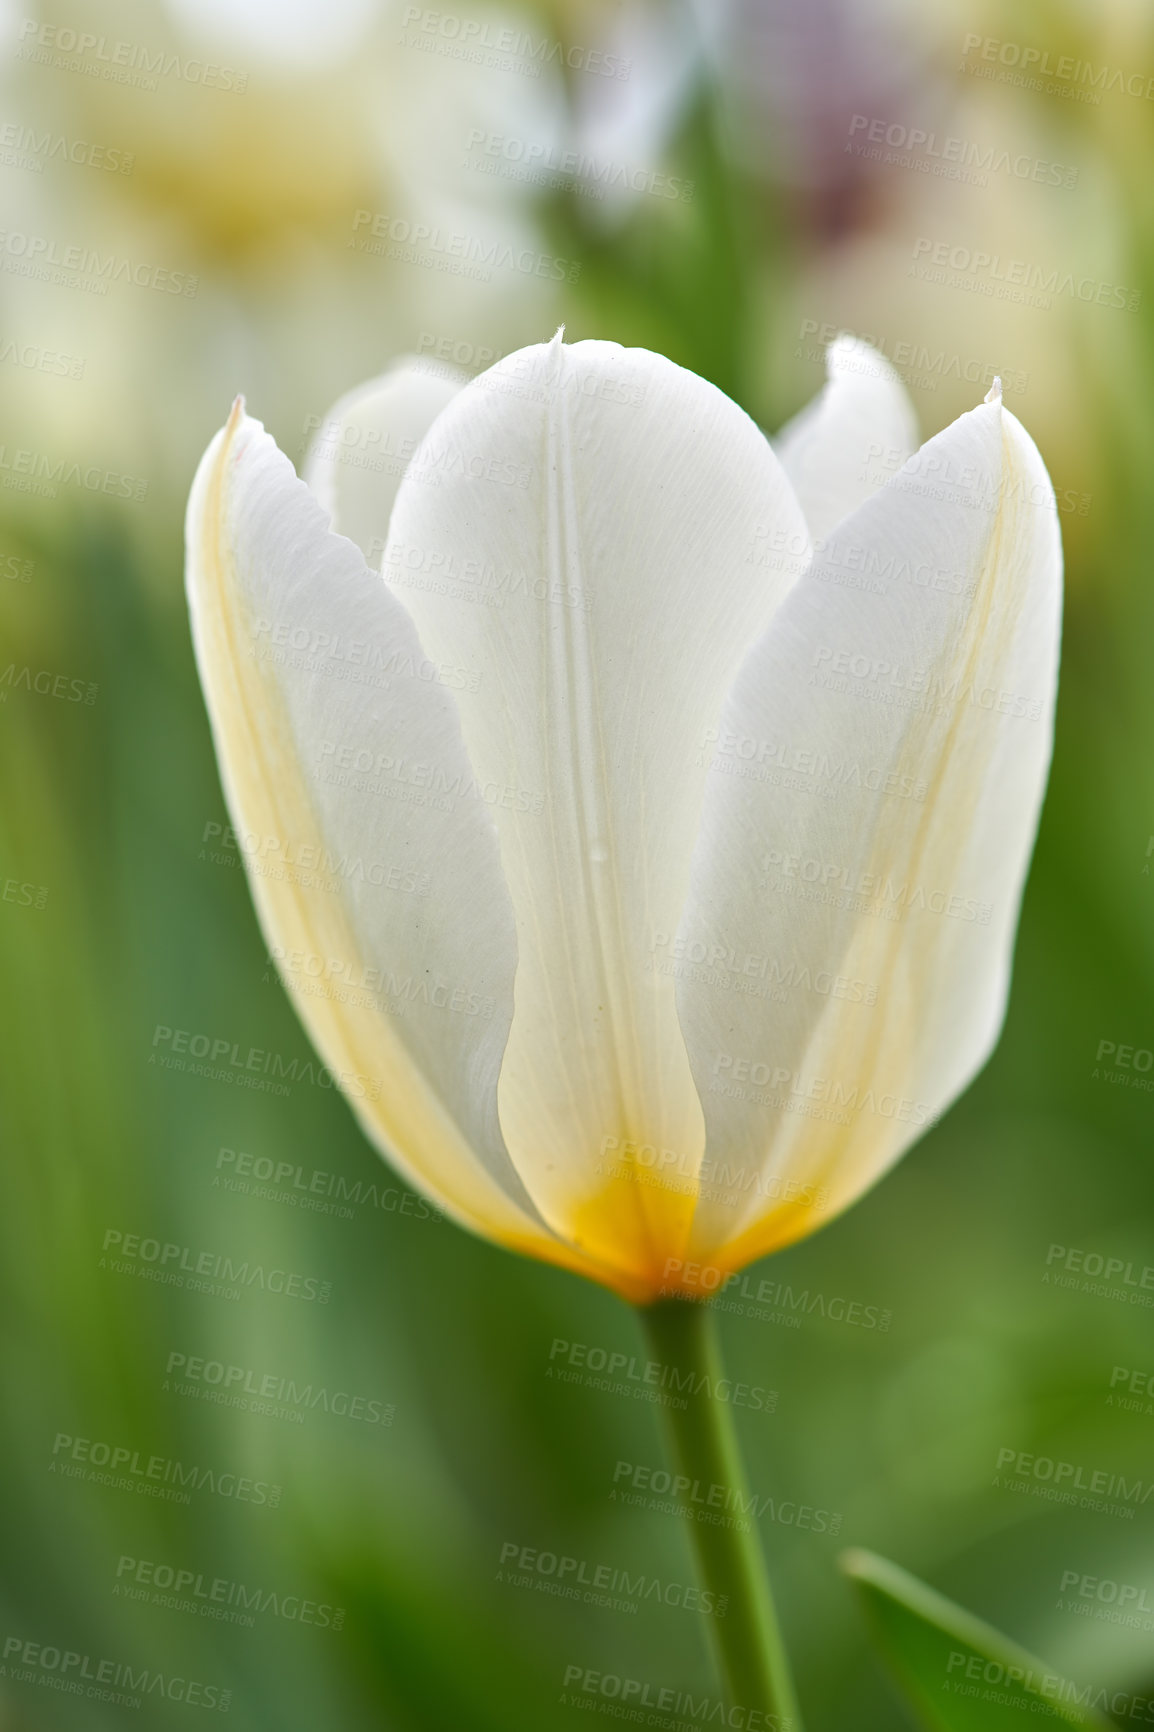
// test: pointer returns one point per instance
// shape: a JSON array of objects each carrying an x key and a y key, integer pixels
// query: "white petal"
[
  {"x": 850, "y": 440},
  {"x": 609, "y": 535},
  {"x": 867, "y": 834},
  {"x": 365, "y": 443},
  {"x": 373, "y": 864}
]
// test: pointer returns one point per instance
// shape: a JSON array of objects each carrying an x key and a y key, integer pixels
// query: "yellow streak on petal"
[
  {"x": 635, "y": 1223},
  {"x": 785, "y": 1225},
  {"x": 267, "y": 794}
]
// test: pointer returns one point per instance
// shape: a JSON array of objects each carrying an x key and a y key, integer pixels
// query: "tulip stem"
[{"x": 703, "y": 1444}]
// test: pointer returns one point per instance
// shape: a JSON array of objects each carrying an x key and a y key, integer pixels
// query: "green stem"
[{"x": 701, "y": 1437}]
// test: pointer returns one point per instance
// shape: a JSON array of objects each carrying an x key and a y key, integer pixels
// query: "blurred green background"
[{"x": 123, "y": 911}]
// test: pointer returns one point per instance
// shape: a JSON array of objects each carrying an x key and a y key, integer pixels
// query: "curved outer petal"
[
  {"x": 372, "y": 861},
  {"x": 848, "y": 442},
  {"x": 365, "y": 443},
  {"x": 609, "y": 536},
  {"x": 858, "y": 875}
]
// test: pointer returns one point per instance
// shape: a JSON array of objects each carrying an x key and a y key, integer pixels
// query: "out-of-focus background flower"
[{"x": 208, "y": 196}]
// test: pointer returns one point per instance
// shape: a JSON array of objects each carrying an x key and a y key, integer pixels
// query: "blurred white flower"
[{"x": 283, "y": 36}]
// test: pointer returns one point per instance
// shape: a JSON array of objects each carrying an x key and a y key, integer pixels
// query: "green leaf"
[{"x": 959, "y": 1674}]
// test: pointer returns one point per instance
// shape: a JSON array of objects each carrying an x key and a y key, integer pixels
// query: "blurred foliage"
[
  {"x": 956, "y": 1673},
  {"x": 109, "y": 806}
]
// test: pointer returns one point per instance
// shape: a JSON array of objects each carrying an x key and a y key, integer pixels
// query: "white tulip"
[{"x": 638, "y": 816}]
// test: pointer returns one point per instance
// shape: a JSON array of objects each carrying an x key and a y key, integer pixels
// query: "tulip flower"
[
  {"x": 638, "y": 813},
  {"x": 679, "y": 792}
]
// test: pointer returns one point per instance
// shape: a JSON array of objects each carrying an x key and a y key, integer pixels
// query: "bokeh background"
[{"x": 742, "y": 180}]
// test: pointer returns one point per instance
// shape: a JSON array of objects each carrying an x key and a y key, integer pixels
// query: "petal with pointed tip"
[
  {"x": 608, "y": 535},
  {"x": 363, "y": 446},
  {"x": 848, "y": 442},
  {"x": 372, "y": 861},
  {"x": 865, "y": 862}
]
